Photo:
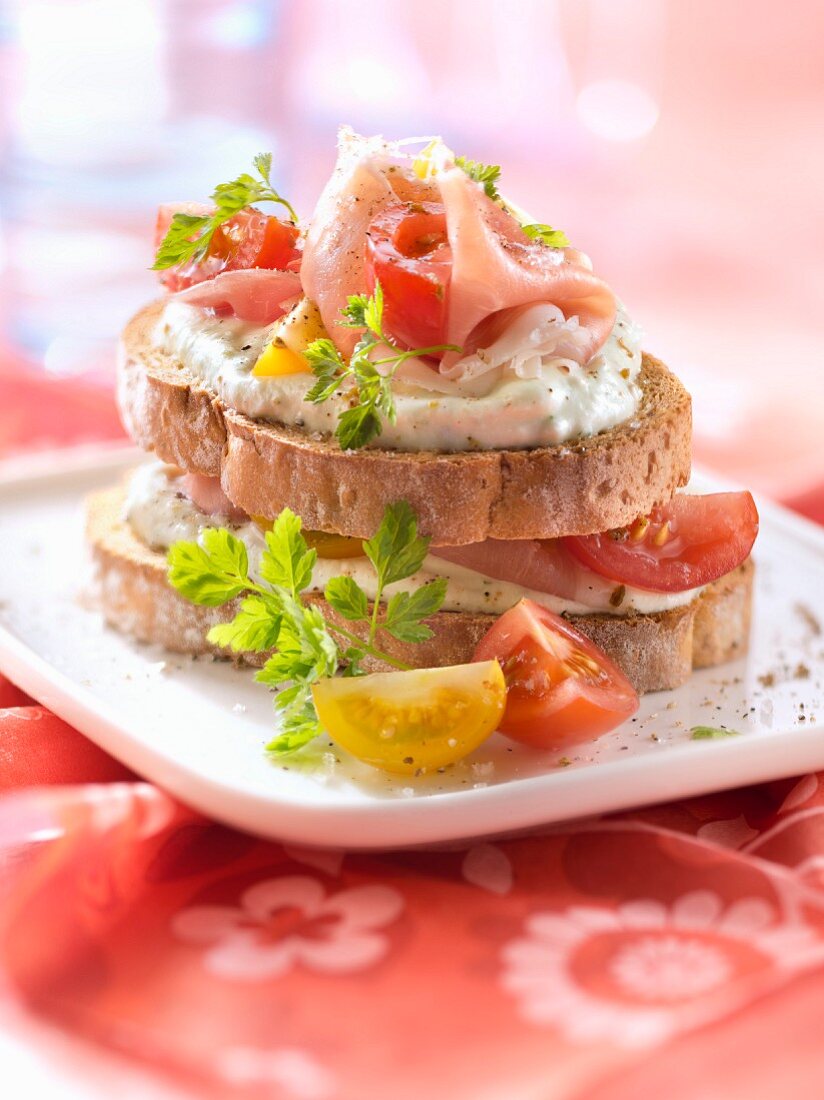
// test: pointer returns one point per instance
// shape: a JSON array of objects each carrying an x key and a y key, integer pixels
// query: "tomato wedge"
[
  {"x": 408, "y": 252},
  {"x": 416, "y": 721},
  {"x": 561, "y": 688},
  {"x": 249, "y": 239},
  {"x": 687, "y": 543}
]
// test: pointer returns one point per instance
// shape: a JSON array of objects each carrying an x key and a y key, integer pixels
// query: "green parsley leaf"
[
  {"x": 372, "y": 384},
  {"x": 370, "y": 378},
  {"x": 306, "y": 653},
  {"x": 405, "y": 611},
  {"x": 263, "y": 164},
  {"x": 485, "y": 174},
  {"x": 328, "y": 367},
  {"x": 287, "y": 562},
  {"x": 711, "y": 733},
  {"x": 373, "y": 312},
  {"x": 365, "y": 311},
  {"x": 255, "y": 627},
  {"x": 284, "y": 665},
  {"x": 354, "y": 311},
  {"x": 553, "y": 238},
  {"x": 346, "y": 596},
  {"x": 300, "y": 722},
  {"x": 352, "y": 658},
  {"x": 189, "y": 236},
  {"x": 358, "y": 426},
  {"x": 287, "y": 696},
  {"x": 210, "y": 574},
  {"x": 396, "y": 550},
  {"x": 306, "y": 634}
]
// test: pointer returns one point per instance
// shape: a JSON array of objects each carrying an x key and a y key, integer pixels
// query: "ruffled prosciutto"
[
  {"x": 542, "y": 565},
  {"x": 256, "y": 294},
  {"x": 334, "y": 254},
  {"x": 496, "y": 267}
]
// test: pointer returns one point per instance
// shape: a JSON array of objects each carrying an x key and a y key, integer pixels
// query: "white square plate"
[{"x": 197, "y": 728}]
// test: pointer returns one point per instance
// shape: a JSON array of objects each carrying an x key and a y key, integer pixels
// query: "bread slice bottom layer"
[{"x": 655, "y": 651}]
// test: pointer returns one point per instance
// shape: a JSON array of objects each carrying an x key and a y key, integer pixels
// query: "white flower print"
[
  {"x": 638, "y": 974},
  {"x": 282, "y": 922},
  {"x": 731, "y": 833},
  {"x": 289, "y": 1070},
  {"x": 319, "y": 859},
  {"x": 802, "y": 792},
  {"x": 668, "y": 968},
  {"x": 487, "y": 866}
]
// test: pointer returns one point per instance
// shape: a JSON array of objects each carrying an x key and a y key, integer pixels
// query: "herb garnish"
[
  {"x": 275, "y": 615},
  {"x": 488, "y": 175},
  {"x": 189, "y": 235},
  {"x": 711, "y": 733},
  {"x": 361, "y": 423},
  {"x": 485, "y": 174},
  {"x": 553, "y": 238}
]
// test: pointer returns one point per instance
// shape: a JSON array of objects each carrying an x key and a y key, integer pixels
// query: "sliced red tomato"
[
  {"x": 689, "y": 542},
  {"x": 249, "y": 239},
  {"x": 408, "y": 252},
  {"x": 561, "y": 688}
]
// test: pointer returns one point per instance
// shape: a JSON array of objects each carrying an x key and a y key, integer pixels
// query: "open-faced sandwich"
[{"x": 417, "y": 432}]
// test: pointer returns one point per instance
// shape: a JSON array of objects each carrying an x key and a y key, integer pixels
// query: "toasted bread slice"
[
  {"x": 577, "y": 488},
  {"x": 655, "y": 651}
]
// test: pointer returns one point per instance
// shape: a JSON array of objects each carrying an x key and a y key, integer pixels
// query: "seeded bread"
[
  {"x": 655, "y": 651},
  {"x": 587, "y": 486}
]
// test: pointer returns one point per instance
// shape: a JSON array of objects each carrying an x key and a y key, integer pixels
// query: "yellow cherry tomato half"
[
  {"x": 275, "y": 362},
  {"x": 416, "y": 721},
  {"x": 333, "y": 546},
  {"x": 327, "y": 545},
  {"x": 422, "y": 164}
]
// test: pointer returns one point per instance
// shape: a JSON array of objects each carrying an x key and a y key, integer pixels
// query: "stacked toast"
[{"x": 516, "y": 500}]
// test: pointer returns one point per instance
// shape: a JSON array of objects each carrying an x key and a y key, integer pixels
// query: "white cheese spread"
[
  {"x": 160, "y": 513},
  {"x": 533, "y": 397}
]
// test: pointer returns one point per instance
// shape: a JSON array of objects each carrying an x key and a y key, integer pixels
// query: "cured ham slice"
[
  {"x": 255, "y": 294},
  {"x": 540, "y": 564},
  {"x": 496, "y": 267},
  {"x": 334, "y": 254},
  {"x": 206, "y": 494},
  {"x": 525, "y": 335}
]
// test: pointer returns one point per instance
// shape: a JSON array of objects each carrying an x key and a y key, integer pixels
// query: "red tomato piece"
[
  {"x": 687, "y": 543},
  {"x": 249, "y": 239},
  {"x": 561, "y": 688},
  {"x": 408, "y": 253}
]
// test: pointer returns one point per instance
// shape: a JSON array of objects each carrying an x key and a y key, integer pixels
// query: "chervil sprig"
[
  {"x": 485, "y": 174},
  {"x": 553, "y": 238},
  {"x": 274, "y": 614},
  {"x": 189, "y": 235},
  {"x": 488, "y": 176},
  {"x": 372, "y": 377}
]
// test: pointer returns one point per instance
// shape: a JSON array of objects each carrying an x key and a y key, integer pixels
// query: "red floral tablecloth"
[{"x": 673, "y": 951}]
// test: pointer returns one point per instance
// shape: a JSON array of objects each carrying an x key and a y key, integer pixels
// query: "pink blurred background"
[{"x": 681, "y": 145}]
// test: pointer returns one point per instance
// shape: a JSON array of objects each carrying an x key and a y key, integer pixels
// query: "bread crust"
[
  {"x": 581, "y": 487},
  {"x": 655, "y": 651}
]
